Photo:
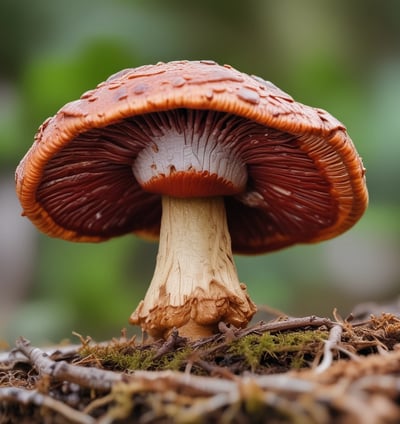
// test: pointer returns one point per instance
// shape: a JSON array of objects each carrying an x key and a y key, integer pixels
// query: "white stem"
[{"x": 195, "y": 283}]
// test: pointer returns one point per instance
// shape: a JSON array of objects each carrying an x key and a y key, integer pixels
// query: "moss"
[
  {"x": 176, "y": 360},
  {"x": 254, "y": 352},
  {"x": 289, "y": 347},
  {"x": 117, "y": 356}
]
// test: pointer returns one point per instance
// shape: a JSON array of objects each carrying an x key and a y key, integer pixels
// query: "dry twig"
[
  {"x": 86, "y": 377},
  {"x": 28, "y": 397},
  {"x": 331, "y": 344}
]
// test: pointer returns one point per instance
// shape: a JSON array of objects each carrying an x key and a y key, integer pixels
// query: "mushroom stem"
[{"x": 195, "y": 283}]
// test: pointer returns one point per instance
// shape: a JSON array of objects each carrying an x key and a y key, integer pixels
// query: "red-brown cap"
[{"x": 290, "y": 172}]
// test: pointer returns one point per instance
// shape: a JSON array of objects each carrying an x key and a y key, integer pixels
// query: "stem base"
[{"x": 195, "y": 283}]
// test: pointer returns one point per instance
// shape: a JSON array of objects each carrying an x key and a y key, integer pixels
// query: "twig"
[
  {"x": 208, "y": 406},
  {"x": 214, "y": 370},
  {"x": 230, "y": 332},
  {"x": 88, "y": 377},
  {"x": 10, "y": 358},
  {"x": 99, "y": 402},
  {"x": 173, "y": 342},
  {"x": 203, "y": 386},
  {"x": 27, "y": 397},
  {"x": 289, "y": 323},
  {"x": 331, "y": 344},
  {"x": 379, "y": 382}
]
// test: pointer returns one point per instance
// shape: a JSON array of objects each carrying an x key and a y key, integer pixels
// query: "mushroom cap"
[{"x": 305, "y": 180}]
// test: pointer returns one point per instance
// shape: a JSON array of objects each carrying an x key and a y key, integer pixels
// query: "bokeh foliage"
[{"x": 343, "y": 56}]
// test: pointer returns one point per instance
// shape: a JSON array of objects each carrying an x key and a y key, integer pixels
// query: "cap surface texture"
[{"x": 289, "y": 173}]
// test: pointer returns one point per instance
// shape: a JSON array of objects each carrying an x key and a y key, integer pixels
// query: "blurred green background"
[{"x": 340, "y": 55}]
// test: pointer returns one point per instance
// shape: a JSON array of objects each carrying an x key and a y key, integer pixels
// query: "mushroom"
[{"x": 209, "y": 159}]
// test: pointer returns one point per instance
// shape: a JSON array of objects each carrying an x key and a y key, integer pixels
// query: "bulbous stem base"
[{"x": 195, "y": 284}]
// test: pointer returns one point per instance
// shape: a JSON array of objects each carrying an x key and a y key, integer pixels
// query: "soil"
[{"x": 287, "y": 370}]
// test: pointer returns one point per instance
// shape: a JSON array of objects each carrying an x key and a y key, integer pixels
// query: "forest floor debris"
[{"x": 289, "y": 370}]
